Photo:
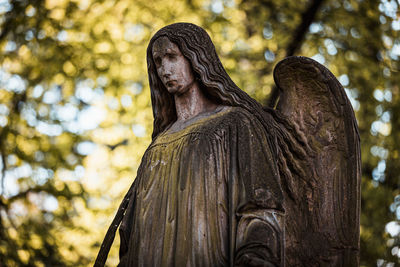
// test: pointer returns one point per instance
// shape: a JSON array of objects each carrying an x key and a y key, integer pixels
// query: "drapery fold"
[{"x": 207, "y": 195}]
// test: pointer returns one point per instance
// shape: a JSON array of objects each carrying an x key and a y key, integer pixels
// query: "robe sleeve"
[
  {"x": 126, "y": 226},
  {"x": 259, "y": 200}
]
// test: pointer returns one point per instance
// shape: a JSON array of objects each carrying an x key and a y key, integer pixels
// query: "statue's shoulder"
[
  {"x": 237, "y": 113},
  {"x": 238, "y": 117}
]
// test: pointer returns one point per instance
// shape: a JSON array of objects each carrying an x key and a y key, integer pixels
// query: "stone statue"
[{"x": 226, "y": 182}]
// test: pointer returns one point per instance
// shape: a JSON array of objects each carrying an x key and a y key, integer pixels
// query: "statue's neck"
[{"x": 192, "y": 103}]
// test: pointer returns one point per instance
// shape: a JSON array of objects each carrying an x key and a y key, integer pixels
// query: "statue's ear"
[{"x": 326, "y": 206}]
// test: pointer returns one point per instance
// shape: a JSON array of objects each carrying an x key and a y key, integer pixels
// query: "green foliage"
[{"x": 75, "y": 113}]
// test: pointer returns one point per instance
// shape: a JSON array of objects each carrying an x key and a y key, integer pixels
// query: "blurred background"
[{"x": 75, "y": 111}]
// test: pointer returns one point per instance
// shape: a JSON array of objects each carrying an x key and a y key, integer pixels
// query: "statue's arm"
[
  {"x": 259, "y": 239},
  {"x": 259, "y": 210}
]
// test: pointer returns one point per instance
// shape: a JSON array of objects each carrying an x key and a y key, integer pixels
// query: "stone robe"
[{"x": 206, "y": 195}]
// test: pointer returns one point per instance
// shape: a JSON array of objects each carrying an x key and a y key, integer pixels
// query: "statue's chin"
[
  {"x": 172, "y": 87},
  {"x": 178, "y": 89},
  {"x": 172, "y": 90}
]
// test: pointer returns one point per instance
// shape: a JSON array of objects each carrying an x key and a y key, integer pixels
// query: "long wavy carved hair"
[{"x": 196, "y": 45}]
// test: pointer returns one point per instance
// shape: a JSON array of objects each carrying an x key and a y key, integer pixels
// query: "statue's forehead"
[{"x": 162, "y": 44}]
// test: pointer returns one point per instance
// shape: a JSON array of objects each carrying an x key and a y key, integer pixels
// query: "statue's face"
[{"x": 173, "y": 69}]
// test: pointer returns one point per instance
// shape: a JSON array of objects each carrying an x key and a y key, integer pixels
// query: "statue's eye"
[
  {"x": 157, "y": 60},
  {"x": 171, "y": 56}
]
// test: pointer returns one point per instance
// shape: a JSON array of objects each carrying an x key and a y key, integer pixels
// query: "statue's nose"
[{"x": 166, "y": 71}]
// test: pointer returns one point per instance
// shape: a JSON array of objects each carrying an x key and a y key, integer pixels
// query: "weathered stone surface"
[
  {"x": 322, "y": 187},
  {"x": 228, "y": 183}
]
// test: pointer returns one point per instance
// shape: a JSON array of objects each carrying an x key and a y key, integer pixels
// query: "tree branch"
[
  {"x": 298, "y": 37},
  {"x": 16, "y": 100},
  {"x": 306, "y": 19}
]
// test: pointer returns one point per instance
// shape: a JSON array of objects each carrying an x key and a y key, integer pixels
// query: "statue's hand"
[{"x": 249, "y": 259}]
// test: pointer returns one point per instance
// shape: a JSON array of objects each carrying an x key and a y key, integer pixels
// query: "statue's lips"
[{"x": 170, "y": 83}]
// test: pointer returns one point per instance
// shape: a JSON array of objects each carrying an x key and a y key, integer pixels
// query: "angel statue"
[{"x": 226, "y": 182}]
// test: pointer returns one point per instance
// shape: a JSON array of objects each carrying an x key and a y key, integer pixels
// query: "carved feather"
[{"x": 323, "y": 197}]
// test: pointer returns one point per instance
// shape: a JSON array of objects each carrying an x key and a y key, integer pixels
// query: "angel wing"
[{"x": 321, "y": 181}]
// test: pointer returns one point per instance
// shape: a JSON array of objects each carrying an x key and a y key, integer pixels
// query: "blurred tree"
[{"x": 75, "y": 115}]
